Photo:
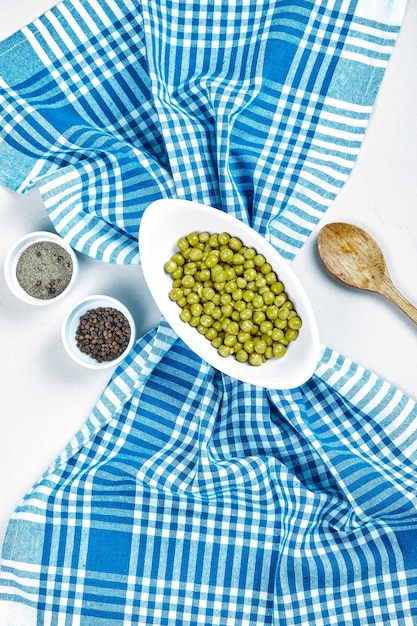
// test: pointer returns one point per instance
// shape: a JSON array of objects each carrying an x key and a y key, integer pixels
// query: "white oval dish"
[
  {"x": 163, "y": 223},
  {"x": 72, "y": 320},
  {"x": 14, "y": 255}
]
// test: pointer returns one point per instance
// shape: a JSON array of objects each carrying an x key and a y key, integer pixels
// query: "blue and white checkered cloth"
[{"x": 189, "y": 497}]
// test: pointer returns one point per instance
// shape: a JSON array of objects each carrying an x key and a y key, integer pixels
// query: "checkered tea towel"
[{"x": 189, "y": 497}]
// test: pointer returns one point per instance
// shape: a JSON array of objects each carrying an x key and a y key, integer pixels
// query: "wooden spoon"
[{"x": 355, "y": 258}]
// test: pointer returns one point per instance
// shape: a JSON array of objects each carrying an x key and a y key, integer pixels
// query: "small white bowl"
[
  {"x": 72, "y": 320},
  {"x": 14, "y": 254},
  {"x": 163, "y": 223}
]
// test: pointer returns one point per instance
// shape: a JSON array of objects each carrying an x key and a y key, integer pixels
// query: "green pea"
[
  {"x": 246, "y": 326},
  {"x": 266, "y": 268},
  {"x": 271, "y": 278},
  {"x": 177, "y": 273},
  {"x": 216, "y": 314},
  {"x": 214, "y": 241},
  {"x": 170, "y": 266},
  {"x": 188, "y": 280},
  {"x": 246, "y": 314},
  {"x": 280, "y": 300},
  {"x": 283, "y": 312},
  {"x": 174, "y": 294},
  {"x": 260, "y": 346},
  {"x": 178, "y": 258},
  {"x": 258, "y": 302},
  {"x": 193, "y": 297},
  {"x": 182, "y": 243},
  {"x": 190, "y": 268},
  {"x": 272, "y": 312},
  {"x": 219, "y": 275},
  {"x": 196, "y": 254},
  {"x": 233, "y": 328},
  {"x": 242, "y": 356},
  {"x": 185, "y": 315},
  {"x": 249, "y": 346},
  {"x": 259, "y": 260},
  {"x": 279, "y": 350},
  {"x": 277, "y": 287},
  {"x": 211, "y": 333},
  {"x": 229, "y": 340},
  {"x": 192, "y": 239},
  {"x": 237, "y": 295},
  {"x": 258, "y": 317},
  {"x": 266, "y": 327},
  {"x": 204, "y": 275},
  {"x": 227, "y": 310},
  {"x": 230, "y": 273},
  {"x": 196, "y": 309},
  {"x": 217, "y": 342},
  {"x": 206, "y": 320},
  {"x": 268, "y": 297},
  {"x": 250, "y": 274},
  {"x": 225, "y": 323},
  {"x": 226, "y": 255},
  {"x": 209, "y": 307},
  {"x": 225, "y": 351},
  {"x": 277, "y": 334},
  {"x": 239, "y": 305},
  {"x": 242, "y": 337},
  {"x": 208, "y": 293},
  {"x": 291, "y": 334},
  {"x": 255, "y": 359},
  {"x": 223, "y": 239},
  {"x": 249, "y": 253},
  {"x": 248, "y": 295},
  {"x": 281, "y": 324},
  {"x": 238, "y": 259},
  {"x": 235, "y": 244},
  {"x": 211, "y": 261},
  {"x": 295, "y": 322}
]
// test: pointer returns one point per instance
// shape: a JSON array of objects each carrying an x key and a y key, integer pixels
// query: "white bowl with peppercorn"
[
  {"x": 98, "y": 332},
  {"x": 40, "y": 268}
]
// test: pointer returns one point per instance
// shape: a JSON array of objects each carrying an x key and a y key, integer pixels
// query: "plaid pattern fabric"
[{"x": 189, "y": 497}]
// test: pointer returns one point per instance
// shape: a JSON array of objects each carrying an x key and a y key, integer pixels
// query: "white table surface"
[{"x": 45, "y": 397}]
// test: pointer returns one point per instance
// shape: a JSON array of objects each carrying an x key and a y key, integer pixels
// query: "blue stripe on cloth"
[{"x": 188, "y": 497}]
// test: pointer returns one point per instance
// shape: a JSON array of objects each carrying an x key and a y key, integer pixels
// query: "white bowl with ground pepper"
[
  {"x": 98, "y": 332},
  {"x": 40, "y": 268}
]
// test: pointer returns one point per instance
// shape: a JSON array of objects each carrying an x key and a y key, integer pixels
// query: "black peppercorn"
[{"x": 103, "y": 333}]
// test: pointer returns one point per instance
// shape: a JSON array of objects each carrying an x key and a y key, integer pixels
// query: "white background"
[{"x": 45, "y": 397}]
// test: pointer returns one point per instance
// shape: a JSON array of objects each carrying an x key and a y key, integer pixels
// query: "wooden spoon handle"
[{"x": 389, "y": 290}]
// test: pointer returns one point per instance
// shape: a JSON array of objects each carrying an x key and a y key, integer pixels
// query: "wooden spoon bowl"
[{"x": 354, "y": 257}]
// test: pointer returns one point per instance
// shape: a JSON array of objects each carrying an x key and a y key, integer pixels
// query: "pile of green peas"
[{"x": 232, "y": 296}]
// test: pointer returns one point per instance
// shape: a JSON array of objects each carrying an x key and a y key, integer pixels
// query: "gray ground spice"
[{"x": 44, "y": 270}]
